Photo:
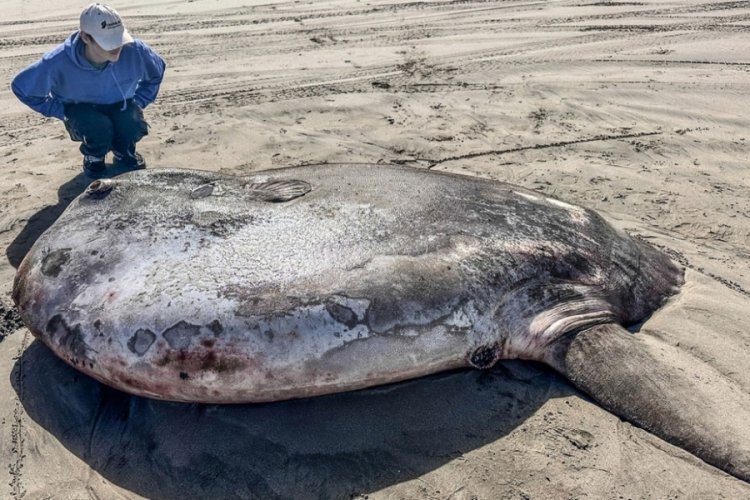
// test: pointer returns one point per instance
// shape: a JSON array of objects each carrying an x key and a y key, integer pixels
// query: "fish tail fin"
[{"x": 661, "y": 389}]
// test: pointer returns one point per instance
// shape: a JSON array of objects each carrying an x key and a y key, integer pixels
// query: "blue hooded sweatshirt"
[{"x": 64, "y": 75}]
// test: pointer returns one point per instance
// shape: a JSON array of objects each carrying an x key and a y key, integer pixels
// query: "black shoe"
[
  {"x": 93, "y": 167},
  {"x": 135, "y": 162}
]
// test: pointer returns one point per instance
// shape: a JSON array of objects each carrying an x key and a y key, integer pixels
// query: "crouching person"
[{"x": 98, "y": 82}]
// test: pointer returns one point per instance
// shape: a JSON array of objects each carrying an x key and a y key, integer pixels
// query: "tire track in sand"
[{"x": 18, "y": 431}]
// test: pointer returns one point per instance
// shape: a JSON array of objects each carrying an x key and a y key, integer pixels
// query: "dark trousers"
[{"x": 101, "y": 128}]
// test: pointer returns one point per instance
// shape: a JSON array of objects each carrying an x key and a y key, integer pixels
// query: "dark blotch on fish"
[
  {"x": 216, "y": 327},
  {"x": 141, "y": 341},
  {"x": 342, "y": 314},
  {"x": 180, "y": 335},
  {"x": 54, "y": 262},
  {"x": 69, "y": 339}
]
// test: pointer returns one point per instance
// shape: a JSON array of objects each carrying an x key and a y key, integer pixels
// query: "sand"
[{"x": 635, "y": 109}]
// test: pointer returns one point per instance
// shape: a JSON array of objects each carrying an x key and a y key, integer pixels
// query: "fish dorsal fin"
[{"x": 277, "y": 191}]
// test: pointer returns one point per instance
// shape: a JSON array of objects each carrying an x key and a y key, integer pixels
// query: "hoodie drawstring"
[{"x": 124, "y": 100}]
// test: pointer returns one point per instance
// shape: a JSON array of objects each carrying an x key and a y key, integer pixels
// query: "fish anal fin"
[{"x": 661, "y": 389}]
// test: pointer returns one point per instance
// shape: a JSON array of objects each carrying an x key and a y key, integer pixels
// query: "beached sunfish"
[{"x": 194, "y": 286}]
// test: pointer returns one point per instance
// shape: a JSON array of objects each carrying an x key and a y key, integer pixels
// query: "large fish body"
[{"x": 195, "y": 286}]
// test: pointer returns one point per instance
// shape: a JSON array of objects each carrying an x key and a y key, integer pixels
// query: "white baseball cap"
[{"x": 104, "y": 24}]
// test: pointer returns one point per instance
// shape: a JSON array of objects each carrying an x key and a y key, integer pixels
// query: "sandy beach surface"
[{"x": 636, "y": 109}]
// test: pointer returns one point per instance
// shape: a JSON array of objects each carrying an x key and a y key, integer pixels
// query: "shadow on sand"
[
  {"x": 334, "y": 446},
  {"x": 43, "y": 219}
]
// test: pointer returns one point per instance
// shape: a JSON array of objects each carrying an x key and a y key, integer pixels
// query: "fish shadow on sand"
[
  {"x": 333, "y": 446},
  {"x": 44, "y": 218}
]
